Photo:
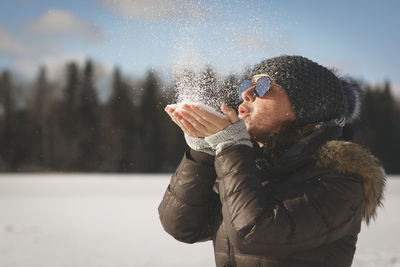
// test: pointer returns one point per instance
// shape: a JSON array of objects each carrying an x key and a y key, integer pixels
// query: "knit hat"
[{"x": 316, "y": 93}]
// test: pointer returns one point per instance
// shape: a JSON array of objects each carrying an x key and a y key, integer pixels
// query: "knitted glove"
[
  {"x": 234, "y": 134},
  {"x": 199, "y": 144}
]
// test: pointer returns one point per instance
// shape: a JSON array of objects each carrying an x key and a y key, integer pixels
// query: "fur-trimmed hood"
[{"x": 351, "y": 158}]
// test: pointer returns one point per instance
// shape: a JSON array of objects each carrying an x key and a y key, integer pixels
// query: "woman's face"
[{"x": 265, "y": 115}]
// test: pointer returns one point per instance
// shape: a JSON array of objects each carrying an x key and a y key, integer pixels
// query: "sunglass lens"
[
  {"x": 262, "y": 86},
  {"x": 246, "y": 84}
]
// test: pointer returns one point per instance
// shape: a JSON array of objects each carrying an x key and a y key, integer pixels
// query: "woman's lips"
[{"x": 243, "y": 111}]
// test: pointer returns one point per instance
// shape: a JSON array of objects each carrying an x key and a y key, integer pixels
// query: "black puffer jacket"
[{"x": 306, "y": 211}]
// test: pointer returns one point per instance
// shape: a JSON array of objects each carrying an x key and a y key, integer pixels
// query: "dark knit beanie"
[{"x": 316, "y": 93}]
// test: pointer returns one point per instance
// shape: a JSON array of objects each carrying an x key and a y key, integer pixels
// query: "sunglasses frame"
[{"x": 254, "y": 80}]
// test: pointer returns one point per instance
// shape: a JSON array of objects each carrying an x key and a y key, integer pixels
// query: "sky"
[{"x": 359, "y": 38}]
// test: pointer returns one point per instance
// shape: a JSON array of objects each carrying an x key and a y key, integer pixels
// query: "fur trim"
[{"x": 351, "y": 158}]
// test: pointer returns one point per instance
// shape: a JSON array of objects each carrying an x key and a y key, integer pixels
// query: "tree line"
[{"x": 63, "y": 126}]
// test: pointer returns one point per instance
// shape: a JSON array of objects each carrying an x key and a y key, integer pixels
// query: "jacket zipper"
[{"x": 231, "y": 257}]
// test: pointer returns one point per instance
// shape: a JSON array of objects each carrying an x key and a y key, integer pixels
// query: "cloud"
[
  {"x": 9, "y": 44},
  {"x": 343, "y": 66},
  {"x": 251, "y": 42},
  {"x": 63, "y": 23},
  {"x": 153, "y": 10},
  {"x": 54, "y": 63},
  {"x": 14, "y": 47},
  {"x": 42, "y": 42},
  {"x": 396, "y": 90}
]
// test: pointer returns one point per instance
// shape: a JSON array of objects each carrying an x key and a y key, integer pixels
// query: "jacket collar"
[
  {"x": 323, "y": 149},
  {"x": 297, "y": 155}
]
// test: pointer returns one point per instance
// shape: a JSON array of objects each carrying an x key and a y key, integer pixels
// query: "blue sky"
[{"x": 360, "y": 38}]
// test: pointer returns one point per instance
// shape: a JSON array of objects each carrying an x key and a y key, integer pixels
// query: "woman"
[{"x": 275, "y": 186}]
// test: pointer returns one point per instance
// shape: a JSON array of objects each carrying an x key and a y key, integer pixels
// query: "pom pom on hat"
[{"x": 352, "y": 92}]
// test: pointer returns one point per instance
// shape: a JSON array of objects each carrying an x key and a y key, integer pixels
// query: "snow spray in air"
[
  {"x": 231, "y": 35},
  {"x": 197, "y": 83}
]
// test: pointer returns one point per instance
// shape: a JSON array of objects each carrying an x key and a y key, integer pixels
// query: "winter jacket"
[{"x": 304, "y": 211}]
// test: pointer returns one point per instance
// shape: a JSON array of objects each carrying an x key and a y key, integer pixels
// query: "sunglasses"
[{"x": 261, "y": 87}]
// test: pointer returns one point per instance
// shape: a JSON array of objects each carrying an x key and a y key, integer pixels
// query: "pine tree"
[
  {"x": 67, "y": 132},
  {"x": 39, "y": 112},
  {"x": 88, "y": 118},
  {"x": 71, "y": 98},
  {"x": 230, "y": 87},
  {"x": 173, "y": 142},
  {"x": 120, "y": 133},
  {"x": 151, "y": 133},
  {"x": 380, "y": 123},
  {"x": 8, "y": 126},
  {"x": 208, "y": 85}
]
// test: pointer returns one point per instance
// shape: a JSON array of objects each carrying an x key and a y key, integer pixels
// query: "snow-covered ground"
[{"x": 112, "y": 221}]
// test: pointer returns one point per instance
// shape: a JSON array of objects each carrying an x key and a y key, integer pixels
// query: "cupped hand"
[
  {"x": 179, "y": 120},
  {"x": 197, "y": 122}
]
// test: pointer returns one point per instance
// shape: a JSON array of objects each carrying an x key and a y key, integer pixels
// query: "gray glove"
[
  {"x": 199, "y": 144},
  {"x": 234, "y": 134}
]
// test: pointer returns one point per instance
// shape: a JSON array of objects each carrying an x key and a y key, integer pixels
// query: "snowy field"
[{"x": 112, "y": 221}]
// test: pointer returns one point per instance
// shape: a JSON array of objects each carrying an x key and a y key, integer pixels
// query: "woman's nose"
[{"x": 249, "y": 94}]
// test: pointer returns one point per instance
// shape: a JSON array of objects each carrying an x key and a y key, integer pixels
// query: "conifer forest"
[{"x": 64, "y": 126}]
